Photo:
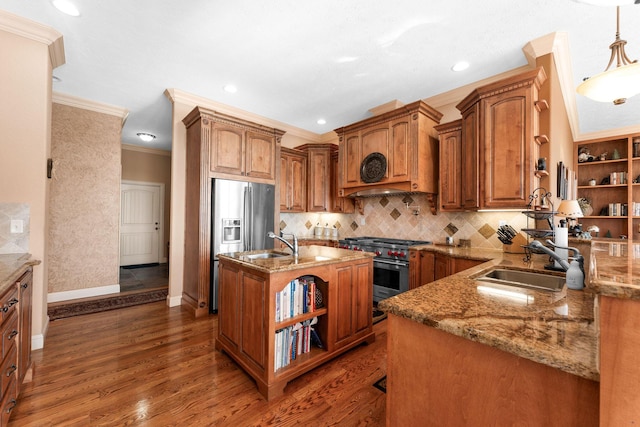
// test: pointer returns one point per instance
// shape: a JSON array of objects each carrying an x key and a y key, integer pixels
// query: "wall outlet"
[
  {"x": 363, "y": 221},
  {"x": 17, "y": 226}
]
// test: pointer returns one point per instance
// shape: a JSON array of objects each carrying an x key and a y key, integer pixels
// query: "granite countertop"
[
  {"x": 12, "y": 266},
  {"x": 614, "y": 269},
  {"x": 557, "y": 330},
  {"x": 308, "y": 256}
]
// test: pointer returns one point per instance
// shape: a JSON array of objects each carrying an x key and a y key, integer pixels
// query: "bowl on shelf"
[{"x": 539, "y": 214}]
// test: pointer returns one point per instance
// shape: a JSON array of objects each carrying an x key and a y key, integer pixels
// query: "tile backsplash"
[
  {"x": 409, "y": 217},
  {"x": 11, "y": 243}
]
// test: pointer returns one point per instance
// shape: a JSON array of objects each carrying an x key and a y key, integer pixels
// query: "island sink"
[
  {"x": 524, "y": 279},
  {"x": 265, "y": 255}
]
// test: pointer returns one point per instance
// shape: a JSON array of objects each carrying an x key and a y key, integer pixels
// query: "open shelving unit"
[{"x": 608, "y": 197}]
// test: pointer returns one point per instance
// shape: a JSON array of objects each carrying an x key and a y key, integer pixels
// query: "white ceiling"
[{"x": 295, "y": 61}]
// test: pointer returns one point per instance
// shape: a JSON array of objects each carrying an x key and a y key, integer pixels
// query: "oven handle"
[{"x": 394, "y": 263}]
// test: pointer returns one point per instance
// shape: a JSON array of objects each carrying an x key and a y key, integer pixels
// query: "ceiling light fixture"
[
  {"x": 460, "y": 66},
  {"x": 146, "y": 137},
  {"x": 230, "y": 88},
  {"x": 619, "y": 83},
  {"x": 321, "y": 122},
  {"x": 66, "y": 7}
]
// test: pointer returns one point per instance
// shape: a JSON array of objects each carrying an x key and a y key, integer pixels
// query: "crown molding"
[
  {"x": 180, "y": 96},
  {"x": 85, "y": 104},
  {"x": 146, "y": 150},
  {"x": 31, "y": 30}
]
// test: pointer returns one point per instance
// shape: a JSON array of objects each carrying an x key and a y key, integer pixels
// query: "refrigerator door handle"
[{"x": 248, "y": 220}]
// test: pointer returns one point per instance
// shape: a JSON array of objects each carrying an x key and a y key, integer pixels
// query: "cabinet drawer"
[
  {"x": 9, "y": 401},
  {"x": 9, "y": 333},
  {"x": 8, "y": 370},
  {"x": 8, "y": 304}
]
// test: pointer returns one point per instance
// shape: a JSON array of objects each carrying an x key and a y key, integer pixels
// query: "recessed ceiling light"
[
  {"x": 460, "y": 66},
  {"x": 66, "y": 7},
  {"x": 146, "y": 137},
  {"x": 230, "y": 88},
  {"x": 321, "y": 122}
]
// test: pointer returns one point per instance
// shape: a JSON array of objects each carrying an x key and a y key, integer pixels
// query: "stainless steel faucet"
[
  {"x": 536, "y": 244},
  {"x": 293, "y": 247}
]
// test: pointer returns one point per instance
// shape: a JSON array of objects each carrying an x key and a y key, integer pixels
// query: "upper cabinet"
[
  {"x": 450, "y": 185},
  {"x": 394, "y": 151},
  {"x": 293, "y": 180},
  {"x": 500, "y": 143},
  {"x": 235, "y": 147}
]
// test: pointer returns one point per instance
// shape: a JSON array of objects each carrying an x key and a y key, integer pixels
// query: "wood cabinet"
[
  {"x": 425, "y": 266},
  {"x": 25, "y": 308},
  {"x": 614, "y": 195},
  {"x": 501, "y": 119},
  {"x": 293, "y": 180},
  {"x": 218, "y": 146},
  {"x": 318, "y": 176},
  {"x": 450, "y": 183},
  {"x": 247, "y": 316},
  {"x": 406, "y": 139},
  {"x": 339, "y": 204}
]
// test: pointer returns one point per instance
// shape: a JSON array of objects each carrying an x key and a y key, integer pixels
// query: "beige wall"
[
  {"x": 85, "y": 200},
  {"x": 150, "y": 166},
  {"x": 25, "y": 110}
]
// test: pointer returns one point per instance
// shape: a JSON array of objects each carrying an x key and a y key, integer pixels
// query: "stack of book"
[
  {"x": 635, "y": 211},
  {"x": 298, "y": 297},
  {"x": 616, "y": 178},
  {"x": 293, "y": 341},
  {"x": 618, "y": 209}
]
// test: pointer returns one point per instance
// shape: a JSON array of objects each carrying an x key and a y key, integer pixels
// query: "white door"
[{"x": 140, "y": 223}]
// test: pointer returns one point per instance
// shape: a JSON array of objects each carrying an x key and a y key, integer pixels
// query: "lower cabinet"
[
  {"x": 425, "y": 266},
  {"x": 252, "y": 326}
]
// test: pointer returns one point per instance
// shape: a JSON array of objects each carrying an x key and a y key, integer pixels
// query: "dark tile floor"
[{"x": 144, "y": 277}]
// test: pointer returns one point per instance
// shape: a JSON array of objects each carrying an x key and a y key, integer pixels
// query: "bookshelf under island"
[{"x": 280, "y": 316}]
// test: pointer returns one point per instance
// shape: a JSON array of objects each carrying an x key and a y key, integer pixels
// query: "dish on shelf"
[
  {"x": 373, "y": 168},
  {"x": 539, "y": 214},
  {"x": 536, "y": 233}
]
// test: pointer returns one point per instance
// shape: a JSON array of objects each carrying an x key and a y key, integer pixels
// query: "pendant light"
[{"x": 616, "y": 84}]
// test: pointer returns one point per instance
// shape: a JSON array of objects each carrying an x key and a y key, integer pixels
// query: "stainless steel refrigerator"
[{"x": 243, "y": 214}]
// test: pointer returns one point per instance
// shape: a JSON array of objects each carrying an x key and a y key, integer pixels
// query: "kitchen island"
[
  {"x": 258, "y": 326},
  {"x": 459, "y": 355}
]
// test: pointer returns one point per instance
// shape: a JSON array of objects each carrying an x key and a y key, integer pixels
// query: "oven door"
[{"x": 389, "y": 278}]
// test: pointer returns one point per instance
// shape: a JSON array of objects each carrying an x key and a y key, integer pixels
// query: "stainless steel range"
[{"x": 390, "y": 265}]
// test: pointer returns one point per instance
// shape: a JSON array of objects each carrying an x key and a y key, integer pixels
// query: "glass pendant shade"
[{"x": 614, "y": 85}]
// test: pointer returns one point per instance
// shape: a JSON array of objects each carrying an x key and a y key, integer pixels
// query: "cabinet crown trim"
[{"x": 202, "y": 113}]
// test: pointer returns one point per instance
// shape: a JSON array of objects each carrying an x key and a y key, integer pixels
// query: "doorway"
[{"x": 141, "y": 223}]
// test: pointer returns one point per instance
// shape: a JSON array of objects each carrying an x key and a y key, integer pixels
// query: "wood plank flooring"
[{"x": 151, "y": 365}]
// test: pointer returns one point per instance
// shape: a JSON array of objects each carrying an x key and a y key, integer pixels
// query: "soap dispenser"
[{"x": 575, "y": 276}]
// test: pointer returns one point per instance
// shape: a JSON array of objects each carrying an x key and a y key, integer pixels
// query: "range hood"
[{"x": 390, "y": 154}]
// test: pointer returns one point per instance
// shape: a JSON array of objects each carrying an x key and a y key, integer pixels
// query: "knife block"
[{"x": 516, "y": 246}]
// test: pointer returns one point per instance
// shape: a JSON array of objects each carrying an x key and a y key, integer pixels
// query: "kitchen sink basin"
[
  {"x": 265, "y": 255},
  {"x": 524, "y": 279}
]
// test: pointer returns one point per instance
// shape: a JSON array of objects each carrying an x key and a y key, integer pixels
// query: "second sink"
[{"x": 524, "y": 279}]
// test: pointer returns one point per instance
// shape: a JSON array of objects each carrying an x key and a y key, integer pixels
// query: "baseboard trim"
[
  {"x": 174, "y": 301},
  {"x": 82, "y": 293}
]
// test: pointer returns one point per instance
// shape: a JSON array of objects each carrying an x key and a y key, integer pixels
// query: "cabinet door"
[
  {"x": 427, "y": 267},
  {"x": 506, "y": 140},
  {"x": 450, "y": 162},
  {"x": 400, "y": 137},
  {"x": 285, "y": 182},
  {"x": 298, "y": 178},
  {"x": 461, "y": 264},
  {"x": 252, "y": 313},
  {"x": 260, "y": 156},
  {"x": 351, "y": 160},
  {"x": 228, "y": 304},
  {"x": 338, "y": 204},
  {"x": 441, "y": 266},
  {"x": 470, "y": 170},
  {"x": 354, "y": 302},
  {"x": 414, "y": 268},
  {"x": 227, "y": 155},
  {"x": 318, "y": 196},
  {"x": 25, "y": 293}
]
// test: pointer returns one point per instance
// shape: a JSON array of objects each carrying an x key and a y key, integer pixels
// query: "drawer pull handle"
[
  {"x": 13, "y": 403},
  {"x": 25, "y": 285},
  {"x": 5, "y": 308},
  {"x": 11, "y": 370},
  {"x": 12, "y": 302},
  {"x": 13, "y": 334}
]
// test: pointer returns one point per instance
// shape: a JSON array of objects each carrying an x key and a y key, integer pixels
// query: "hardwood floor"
[{"x": 151, "y": 365}]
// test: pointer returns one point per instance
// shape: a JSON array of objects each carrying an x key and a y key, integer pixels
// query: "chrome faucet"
[
  {"x": 293, "y": 247},
  {"x": 577, "y": 256}
]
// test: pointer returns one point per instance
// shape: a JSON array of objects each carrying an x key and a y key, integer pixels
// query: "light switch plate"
[{"x": 17, "y": 226}]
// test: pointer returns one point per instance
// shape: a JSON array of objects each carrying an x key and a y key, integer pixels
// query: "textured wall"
[
  {"x": 390, "y": 217},
  {"x": 85, "y": 199}
]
